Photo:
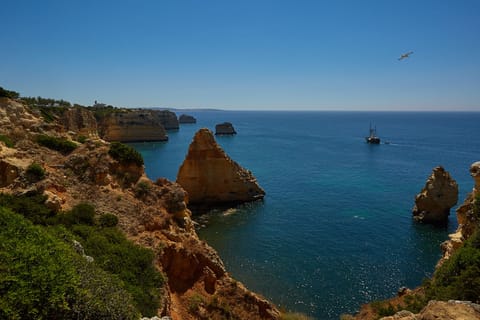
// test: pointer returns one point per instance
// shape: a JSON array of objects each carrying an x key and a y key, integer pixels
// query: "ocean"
[{"x": 335, "y": 229}]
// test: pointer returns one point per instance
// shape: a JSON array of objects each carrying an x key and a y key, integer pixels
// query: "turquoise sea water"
[{"x": 335, "y": 229}]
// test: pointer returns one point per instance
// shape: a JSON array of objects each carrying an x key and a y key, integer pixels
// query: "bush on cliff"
[
  {"x": 8, "y": 142},
  {"x": 42, "y": 277},
  {"x": 31, "y": 206},
  {"x": 37, "y": 276},
  {"x": 131, "y": 263},
  {"x": 459, "y": 277},
  {"x": 58, "y": 144},
  {"x": 35, "y": 172},
  {"x": 125, "y": 154},
  {"x": 8, "y": 93},
  {"x": 121, "y": 269}
]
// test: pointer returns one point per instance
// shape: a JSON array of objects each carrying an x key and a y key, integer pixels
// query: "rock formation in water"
[
  {"x": 134, "y": 125},
  {"x": 184, "y": 118},
  {"x": 440, "y": 194},
  {"x": 210, "y": 177},
  {"x": 225, "y": 128}
]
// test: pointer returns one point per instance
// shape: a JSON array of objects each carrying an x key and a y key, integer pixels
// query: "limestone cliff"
[
  {"x": 468, "y": 221},
  {"x": 440, "y": 194},
  {"x": 134, "y": 125},
  {"x": 81, "y": 121},
  {"x": 156, "y": 218},
  {"x": 211, "y": 177},
  {"x": 441, "y": 310}
]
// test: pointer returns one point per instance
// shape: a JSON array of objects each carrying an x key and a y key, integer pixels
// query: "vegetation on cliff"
[
  {"x": 8, "y": 94},
  {"x": 42, "y": 275},
  {"x": 125, "y": 154},
  {"x": 58, "y": 144}
]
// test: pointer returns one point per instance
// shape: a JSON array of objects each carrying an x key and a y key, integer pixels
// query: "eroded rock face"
[
  {"x": 440, "y": 194},
  {"x": 210, "y": 177},
  {"x": 81, "y": 121},
  {"x": 137, "y": 125},
  {"x": 467, "y": 217},
  {"x": 441, "y": 310}
]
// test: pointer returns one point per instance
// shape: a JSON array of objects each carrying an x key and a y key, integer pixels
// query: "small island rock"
[
  {"x": 225, "y": 128},
  {"x": 212, "y": 178},
  {"x": 185, "y": 118},
  {"x": 440, "y": 194}
]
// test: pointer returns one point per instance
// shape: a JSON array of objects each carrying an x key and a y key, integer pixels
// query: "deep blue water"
[{"x": 335, "y": 228}]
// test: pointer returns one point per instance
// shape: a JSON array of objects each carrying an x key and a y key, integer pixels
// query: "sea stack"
[
  {"x": 440, "y": 194},
  {"x": 185, "y": 118},
  {"x": 211, "y": 178},
  {"x": 225, "y": 128}
]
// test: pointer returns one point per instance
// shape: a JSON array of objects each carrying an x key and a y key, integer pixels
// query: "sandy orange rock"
[{"x": 211, "y": 177}]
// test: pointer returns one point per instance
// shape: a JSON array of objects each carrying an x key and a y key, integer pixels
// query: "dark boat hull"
[{"x": 373, "y": 140}]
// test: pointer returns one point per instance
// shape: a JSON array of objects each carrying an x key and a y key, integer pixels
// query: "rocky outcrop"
[
  {"x": 130, "y": 126},
  {"x": 17, "y": 119},
  {"x": 81, "y": 121},
  {"x": 440, "y": 194},
  {"x": 184, "y": 118},
  {"x": 467, "y": 216},
  {"x": 167, "y": 118},
  {"x": 211, "y": 178},
  {"x": 225, "y": 128},
  {"x": 441, "y": 310}
]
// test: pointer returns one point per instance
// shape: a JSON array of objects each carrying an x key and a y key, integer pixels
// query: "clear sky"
[{"x": 245, "y": 54}]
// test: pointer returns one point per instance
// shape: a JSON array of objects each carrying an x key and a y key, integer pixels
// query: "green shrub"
[
  {"x": 8, "y": 142},
  {"x": 125, "y": 154},
  {"x": 58, "y": 144},
  {"x": 35, "y": 172},
  {"x": 41, "y": 277},
  {"x": 131, "y": 263},
  {"x": 37, "y": 276},
  {"x": 31, "y": 206},
  {"x": 81, "y": 139},
  {"x": 142, "y": 188},
  {"x": 107, "y": 220},
  {"x": 459, "y": 277},
  {"x": 8, "y": 93},
  {"x": 101, "y": 295},
  {"x": 82, "y": 213}
]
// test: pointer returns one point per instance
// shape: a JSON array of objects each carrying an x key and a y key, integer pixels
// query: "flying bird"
[{"x": 405, "y": 55}]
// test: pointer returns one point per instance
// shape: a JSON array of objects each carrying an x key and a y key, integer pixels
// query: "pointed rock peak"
[{"x": 212, "y": 178}]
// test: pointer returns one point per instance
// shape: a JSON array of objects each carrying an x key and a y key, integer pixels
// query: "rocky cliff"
[
  {"x": 132, "y": 125},
  {"x": 211, "y": 177},
  {"x": 81, "y": 121},
  {"x": 440, "y": 194},
  {"x": 441, "y": 310},
  {"x": 199, "y": 287},
  {"x": 468, "y": 220}
]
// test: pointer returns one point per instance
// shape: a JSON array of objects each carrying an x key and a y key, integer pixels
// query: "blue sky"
[{"x": 245, "y": 55}]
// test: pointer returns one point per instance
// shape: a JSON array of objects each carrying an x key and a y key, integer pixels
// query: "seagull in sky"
[{"x": 405, "y": 55}]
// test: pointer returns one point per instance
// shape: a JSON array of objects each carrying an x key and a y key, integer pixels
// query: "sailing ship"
[{"x": 372, "y": 138}]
